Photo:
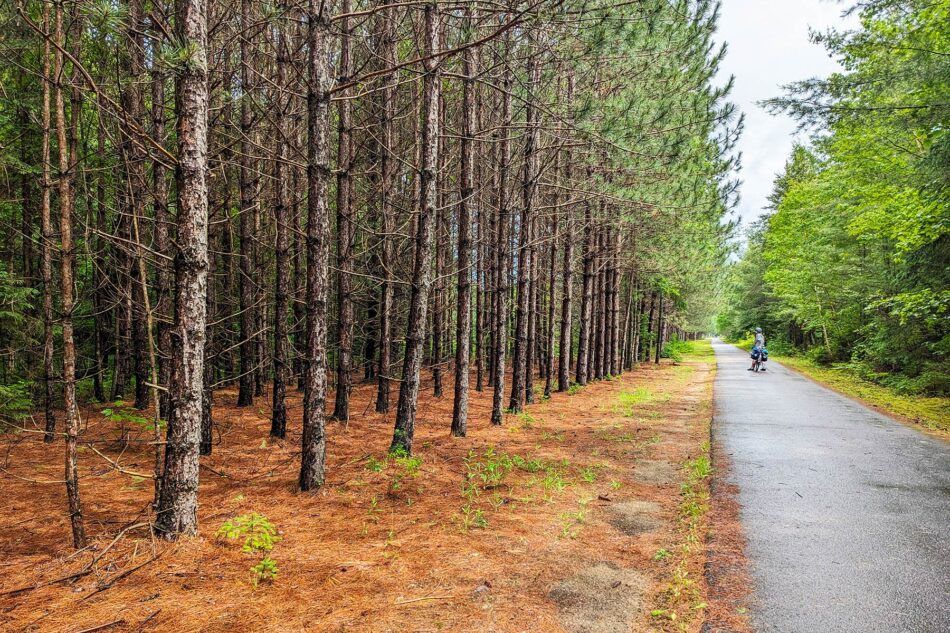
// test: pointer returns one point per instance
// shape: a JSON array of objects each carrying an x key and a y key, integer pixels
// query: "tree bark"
[
  {"x": 552, "y": 273},
  {"x": 71, "y": 409},
  {"x": 463, "y": 326},
  {"x": 421, "y": 272},
  {"x": 386, "y": 183},
  {"x": 583, "y": 342},
  {"x": 500, "y": 342},
  {"x": 178, "y": 502},
  {"x": 345, "y": 230},
  {"x": 46, "y": 241},
  {"x": 520, "y": 362},
  {"x": 278, "y": 427},
  {"x": 313, "y": 456},
  {"x": 247, "y": 186}
]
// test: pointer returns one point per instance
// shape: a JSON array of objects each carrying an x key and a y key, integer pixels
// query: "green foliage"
[
  {"x": 675, "y": 349},
  {"x": 15, "y": 403},
  {"x": 259, "y": 536},
  {"x": 121, "y": 414},
  {"x": 485, "y": 471},
  {"x": 853, "y": 265}
]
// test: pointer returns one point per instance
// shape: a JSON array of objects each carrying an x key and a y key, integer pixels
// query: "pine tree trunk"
[
  {"x": 345, "y": 231},
  {"x": 71, "y": 409},
  {"x": 463, "y": 331},
  {"x": 99, "y": 300},
  {"x": 583, "y": 342},
  {"x": 567, "y": 296},
  {"x": 552, "y": 274},
  {"x": 278, "y": 426},
  {"x": 520, "y": 362},
  {"x": 500, "y": 338},
  {"x": 163, "y": 306},
  {"x": 421, "y": 272},
  {"x": 313, "y": 456},
  {"x": 531, "y": 352},
  {"x": 248, "y": 191},
  {"x": 615, "y": 362},
  {"x": 177, "y": 512},
  {"x": 387, "y": 173},
  {"x": 46, "y": 243}
]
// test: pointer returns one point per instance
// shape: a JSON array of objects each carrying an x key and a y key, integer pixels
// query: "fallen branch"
[
  {"x": 122, "y": 574},
  {"x": 107, "y": 625},
  {"x": 145, "y": 621},
  {"x": 119, "y": 468},
  {"x": 401, "y": 602}
]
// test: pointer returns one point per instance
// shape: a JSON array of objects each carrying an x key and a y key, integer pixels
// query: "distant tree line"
[{"x": 852, "y": 262}]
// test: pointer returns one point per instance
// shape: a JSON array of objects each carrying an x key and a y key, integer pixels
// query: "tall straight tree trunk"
[
  {"x": 71, "y": 410},
  {"x": 599, "y": 313},
  {"x": 299, "y": 280},
  {"x": 463, "y": 325},
  {"x": 549, "y": 334},
  {"x": 421, "y": 271},
  {"x": 500, "y": 341},
  {"x": 345, "y": 230},
  {"x": 480, "y": 254},
  {"x": 615, "y": 342},
  {"x": 99, "y": 300},
  {"x": 247, "y": 186},
  {"x": 386, "y": 183},
  {"x": 46, "y": 241},
  {"x": 567, "y": 293},
  {"x": 133, "y": 104},
  {"x": 26, "y": 193},
  {"x": 659, "y": 330},
  {"x": 637, "y": 325},
  {"x": 278, "y": 425},
  {"x": 164, "y": 288},
  {"x": 608, "y": 301},
  {"x": 520, "y": 364},
  {"x": 207, "y": 389},
  {"x": 627, "y": 335},
  {"x": 313, "y": 455},
  {"x": 178, "y": 502},
  {"x": 438, "y": 293},
  {"x": 583, "y": 342},
  {"x": 647, "y": 338},
  {"x": 531, "y": 350}
]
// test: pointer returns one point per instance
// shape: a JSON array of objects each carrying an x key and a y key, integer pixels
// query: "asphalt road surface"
[{"x": 846, "y": 512}]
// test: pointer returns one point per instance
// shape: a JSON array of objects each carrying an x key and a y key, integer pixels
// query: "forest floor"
[{"x": 589, "y": 512}]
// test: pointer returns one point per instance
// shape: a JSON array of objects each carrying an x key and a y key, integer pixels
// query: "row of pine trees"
[{"x": 516, "y": 196}]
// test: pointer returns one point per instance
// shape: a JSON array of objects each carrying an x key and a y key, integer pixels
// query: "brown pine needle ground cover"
[{"x": 587, "y": 513}]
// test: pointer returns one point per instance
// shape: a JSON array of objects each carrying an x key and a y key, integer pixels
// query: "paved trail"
[{"x": 846, "y": 512}]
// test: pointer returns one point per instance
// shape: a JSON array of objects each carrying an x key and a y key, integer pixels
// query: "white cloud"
[{"x": 769, "y": 47}]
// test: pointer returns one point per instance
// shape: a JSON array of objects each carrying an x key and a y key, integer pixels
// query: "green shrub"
[
  {"x": 260, "y": 536},
  {"x": 15, "y": 403}
]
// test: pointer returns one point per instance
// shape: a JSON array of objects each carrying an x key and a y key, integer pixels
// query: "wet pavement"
[{"x": 846, "y": 511}]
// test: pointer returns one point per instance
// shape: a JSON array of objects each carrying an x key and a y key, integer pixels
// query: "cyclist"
[{"x": 757, "y": 346}]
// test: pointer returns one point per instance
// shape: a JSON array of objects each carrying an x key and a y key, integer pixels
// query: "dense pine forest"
[
  {"x": 209, "y": 205},
  {"x": 851, "y": 264}
]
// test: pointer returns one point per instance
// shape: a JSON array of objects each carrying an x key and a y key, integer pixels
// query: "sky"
[{"x": 768, "y": 46}]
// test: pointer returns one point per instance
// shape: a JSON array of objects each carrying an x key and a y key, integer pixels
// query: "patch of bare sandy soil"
[{"x": 513, "y": 528}]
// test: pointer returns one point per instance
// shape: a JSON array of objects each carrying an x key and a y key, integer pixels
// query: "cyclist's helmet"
[{"x": 758, "y": 330}]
